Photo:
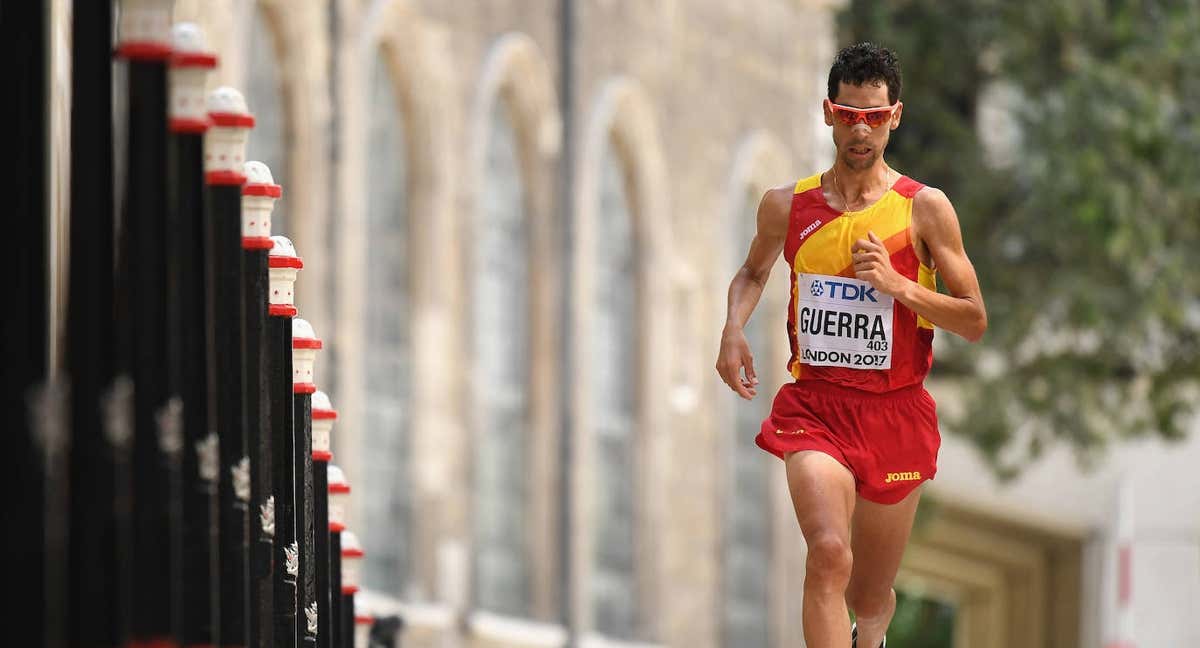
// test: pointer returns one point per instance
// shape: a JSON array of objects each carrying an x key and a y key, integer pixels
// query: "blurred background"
[{"x": 519, "y": 219}]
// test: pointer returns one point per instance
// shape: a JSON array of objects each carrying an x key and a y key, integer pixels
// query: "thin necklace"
[{"x": 836, "y": 186}]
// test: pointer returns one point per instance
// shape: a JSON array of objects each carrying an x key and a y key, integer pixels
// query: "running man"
[{"x": 856, "y": 430}]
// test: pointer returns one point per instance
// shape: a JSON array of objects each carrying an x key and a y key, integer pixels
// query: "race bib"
[{"x": 843, "y": 322}]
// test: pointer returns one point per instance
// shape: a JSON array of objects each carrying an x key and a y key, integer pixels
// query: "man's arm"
[
  {"x": 935, "y": 224},
  {"x": 747, "y": 287}
]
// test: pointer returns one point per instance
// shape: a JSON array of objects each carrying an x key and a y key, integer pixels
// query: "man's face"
[{"x": 860, "y": 145}]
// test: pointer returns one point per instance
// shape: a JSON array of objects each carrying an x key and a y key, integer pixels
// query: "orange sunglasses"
[{"x": 873, "y": 117}]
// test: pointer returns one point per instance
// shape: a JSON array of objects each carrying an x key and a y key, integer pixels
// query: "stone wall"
[{"x": 704, "y": 101}]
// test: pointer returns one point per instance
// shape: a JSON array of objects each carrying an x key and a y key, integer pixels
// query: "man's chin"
[{"x": 858, "y": 163}]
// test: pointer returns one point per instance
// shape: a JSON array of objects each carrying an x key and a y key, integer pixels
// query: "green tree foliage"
[{"x": 1088, "y": 244}]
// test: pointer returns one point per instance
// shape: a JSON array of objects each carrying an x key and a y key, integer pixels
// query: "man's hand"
[
  {"x": 873, "y": 264},
  {"x": 732, "y": 359}
]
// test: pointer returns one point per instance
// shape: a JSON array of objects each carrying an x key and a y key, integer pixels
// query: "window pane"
[
  {"x": 386, "y": 502},
  {"x": 614, "y": 374},
  {"x": 263, "y": 91},
  {"x": 501, "y": 331},
  {"x": 747, "y": 519}
]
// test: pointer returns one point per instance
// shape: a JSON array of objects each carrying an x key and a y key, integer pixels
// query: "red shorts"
[{"x": 888, "y": 441}]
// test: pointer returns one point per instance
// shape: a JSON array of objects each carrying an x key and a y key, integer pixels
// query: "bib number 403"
[{"x": 842, "y": 322}]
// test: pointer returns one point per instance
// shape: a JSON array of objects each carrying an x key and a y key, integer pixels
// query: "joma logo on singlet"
[
  {"x": 902, "y": 476},
  {"x": 810, "y": 229}
]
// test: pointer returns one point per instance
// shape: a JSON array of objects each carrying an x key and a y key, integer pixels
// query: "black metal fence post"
[
  {"x": 258, "y": 200},
  {"x": 145, "y": 45},
  {"x": 305, "y": 345},
  {"x": 352, "y": 555},
  {"x": 224, "y": 157},
  {"x": 323, "y": 416},
  {"x": 339, "y": 493},
  {"x": 95, "y": 614},
  {"x": 190, "y": 66},
  {"x": 284, "y": 266}
]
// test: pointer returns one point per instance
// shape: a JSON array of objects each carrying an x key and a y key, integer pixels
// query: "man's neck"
[{"x": 865, "y": 184}]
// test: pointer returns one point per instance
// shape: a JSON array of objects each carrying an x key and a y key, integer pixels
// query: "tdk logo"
[{"x": 844, "y": 291}]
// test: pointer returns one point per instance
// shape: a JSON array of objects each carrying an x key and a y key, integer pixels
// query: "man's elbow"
[
  {"x": 978, "y": 326},
  {"x": 756, "y": 276}
]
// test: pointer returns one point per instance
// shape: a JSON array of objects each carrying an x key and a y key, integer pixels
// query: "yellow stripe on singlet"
[
  {"x": 926, "y": 277},
  {"x": 811, "y": 182},
  {"x": 827, "y": 250}
]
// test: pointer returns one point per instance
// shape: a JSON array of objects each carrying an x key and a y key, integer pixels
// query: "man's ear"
[
  {"x": 896, "y": 115},
  {"x": 828, "y": 112}
]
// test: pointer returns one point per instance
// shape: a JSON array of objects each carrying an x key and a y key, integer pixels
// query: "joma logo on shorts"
[{"x": 902, "y": 476}]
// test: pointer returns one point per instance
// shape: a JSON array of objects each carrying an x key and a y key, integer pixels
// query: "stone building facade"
[{"x": 517, "y": 219}]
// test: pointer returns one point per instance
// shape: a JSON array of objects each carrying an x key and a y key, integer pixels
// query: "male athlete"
[{"x": 856, "y": 430}]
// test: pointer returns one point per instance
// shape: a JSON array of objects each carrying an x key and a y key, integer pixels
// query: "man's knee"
[
  {"x": 869, "y": 600},
  {"x": 829, "y": 562}
]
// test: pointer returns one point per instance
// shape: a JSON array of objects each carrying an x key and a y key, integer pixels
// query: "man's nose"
[{"x": 861, "y": 128}]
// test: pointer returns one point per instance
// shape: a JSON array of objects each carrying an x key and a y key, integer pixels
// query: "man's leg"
[
  {"x": 823, "y": 495},
  {"x": 880, "y": 533}
]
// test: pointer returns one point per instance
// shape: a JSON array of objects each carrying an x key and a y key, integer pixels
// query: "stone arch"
[
  {"x": 515, "y": 71},
  {"x": 301, "y": 38},
  {"x": 624, "y": 118},
  {"x": 420, "y": 67},
  {"x": 760, "y": 162}
]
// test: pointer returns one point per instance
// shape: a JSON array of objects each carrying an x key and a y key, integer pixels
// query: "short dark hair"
[{"x": 865, "y": 63}]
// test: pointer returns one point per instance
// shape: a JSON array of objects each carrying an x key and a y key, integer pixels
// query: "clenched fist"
[{"x": 873, "y": 264}]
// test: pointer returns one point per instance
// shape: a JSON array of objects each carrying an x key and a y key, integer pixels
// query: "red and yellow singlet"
[{"x": 841, "y": 329}]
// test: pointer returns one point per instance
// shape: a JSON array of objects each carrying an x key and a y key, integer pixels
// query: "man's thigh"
[
  {"x": 879, "y": 534},
  {"x": 822, "y": 493}
]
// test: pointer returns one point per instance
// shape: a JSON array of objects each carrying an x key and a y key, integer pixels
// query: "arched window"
[
  {"x": 614, "y": 363},
  {"x": 264, "y": 97},
  {"x": 747, "y": 510},
  {"x": 501, "y": 329},
  {"x": 387, "y": 360}
]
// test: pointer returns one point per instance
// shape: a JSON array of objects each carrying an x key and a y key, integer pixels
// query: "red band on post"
[
  {"x": 157, "y": 642},
  {"x": 194, "y": 59},
  {"x": 144, "y": 51},
  {"x": 232, "y": 120},
  {"x": 322, "y": 455},
  {"x": 225, "y": 178},
  {"x": 285, "y": 262},
  {"x": 364, "y": 618},
  {"x": 257, "y": 243},
  {"x": 303, "y": 388},
  {"x": 343, "y": 489},
  {"x": 336, "y": 527},
  {"x": 324, "y": 414},
  {"x": 258, "y": 189},
  {"x": 306, "y": 343},
  {"x": 189, "y": 125},
  {"x": 349, "y": 589},
  {"x": 282, "y": 310}
]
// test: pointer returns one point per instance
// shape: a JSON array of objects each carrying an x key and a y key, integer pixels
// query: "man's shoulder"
[
  {"x": 927, "y": 198},
  {"x": 781, "y": 196},
  {"x": 932, "y": 210},
  {"x": 778, "y": 200}
]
